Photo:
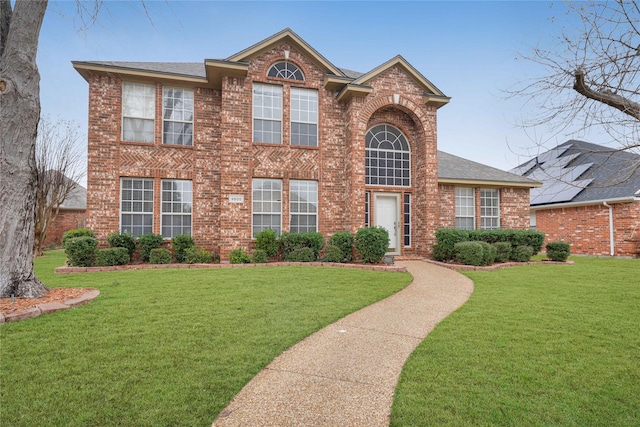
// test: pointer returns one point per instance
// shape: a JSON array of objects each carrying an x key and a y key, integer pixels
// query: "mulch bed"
[{"x": 53, "y": 295}]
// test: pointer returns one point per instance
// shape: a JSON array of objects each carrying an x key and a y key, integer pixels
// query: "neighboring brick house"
[
  {"x": 276, "y": 137},
  {"x": 71, "y": 215},
  {"x": 590, "y": 198}
]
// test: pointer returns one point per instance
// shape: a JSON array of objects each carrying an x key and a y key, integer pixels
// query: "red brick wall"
[
  {"x": 586, "y": 228},
  {"x": 66, "y": 220}
]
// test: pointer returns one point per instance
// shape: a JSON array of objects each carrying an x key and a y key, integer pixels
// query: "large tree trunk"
[{"x": 20, "y": 106}]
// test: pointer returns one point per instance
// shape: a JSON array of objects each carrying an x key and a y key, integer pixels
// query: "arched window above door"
[{"x": 388, "y": 158}]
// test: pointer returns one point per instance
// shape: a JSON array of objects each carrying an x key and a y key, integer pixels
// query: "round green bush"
[
  {"x": 503, "y": 251},
  {"x": 239, "y": 256},
  {"x": 123, "y": 240},
  {"x": 469, "y": 253},
  {"x": 558, "y": 251},
  {"x": 78, "y": 232},
  {"x": 112, "y": 256},
  {"x": 488, "y": 253},
  {"x": 333, "y": 253},
  {"x": 522, "y": 254},
  {"x": 372, "y": 243},
  {"x": 148, "y": 242},
  {"x": 81, "y": 251},
  {"x": 260, "y": 256},
  {"x": 180, "y": 243},
  {"x": 446, "y": 238},
  {"x": 301, "y": 254},
  {"x": 267, "y": 240},
  {"x": 193, "y": 255},
  {"x": 344, "y": 241},
  {"x": 292, "y": 241},
  {"x": 160, "y": 256}
]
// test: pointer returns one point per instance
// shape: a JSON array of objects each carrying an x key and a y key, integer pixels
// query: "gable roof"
[
  {"x": 456, "y": 170},
  {"x": 579, "y": 172}
]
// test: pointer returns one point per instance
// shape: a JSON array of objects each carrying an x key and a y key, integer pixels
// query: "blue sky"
[{"x": 467, "y": 49}]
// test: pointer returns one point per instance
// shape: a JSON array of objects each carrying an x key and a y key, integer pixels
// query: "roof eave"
[
  {"x": 351, "y": 90},
  {"x": 493, "y": 183},
  {"x": 85, "y": 69},
  {"x": 216, "y": 69},
  {"x": 627, "y": 199}
]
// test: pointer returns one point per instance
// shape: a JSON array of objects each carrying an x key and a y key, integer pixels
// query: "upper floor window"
[
  {"x": 177, "y": 116},
  {"x": 465, "y": 208},
  {"x": 387, "y": 157},
  {"x": 489, "y": 208},
  {"x": 285, "y": 70},
  {"x": 267, "y": 113},
  {"x": 138, "y": 112},
  {"x": 304, "y": 117}
]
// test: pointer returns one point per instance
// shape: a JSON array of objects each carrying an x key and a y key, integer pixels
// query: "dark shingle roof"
[
  {"x": 191, "y": 69},
  {"x": 608, "y": 173},
  {"x": 454, "y": 167}
]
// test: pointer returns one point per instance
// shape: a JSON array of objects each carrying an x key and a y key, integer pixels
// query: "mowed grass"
[
  {"x": 166, "y": 347},
  {"x": 534, "y": 346}
]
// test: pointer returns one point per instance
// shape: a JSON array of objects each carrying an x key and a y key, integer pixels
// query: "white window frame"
[
  {"x": 466, "y": 207},
  {"x": 145, "y": 95},
  {"x": 303, "y": 110},
  {"x": 181, "y": 115},
  {"x": 177, "y": 208},
  {"x": 299, "y": 207},
  {"x": 273, "y": 202},
  {"x": 489, "y": 213},
  {"x": 146, "y": 209},
  {"x": 267, "y": 112},
  {"x": 285, "y": 70},
  {"x": 375, "y": 154},
  {"x": 406, "y": 216}
]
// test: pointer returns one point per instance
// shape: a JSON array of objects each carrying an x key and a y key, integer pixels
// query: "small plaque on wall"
[{"x": 236, "y": 198}]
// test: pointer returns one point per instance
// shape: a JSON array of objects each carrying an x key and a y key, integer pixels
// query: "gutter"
[
  {"x": 611, "y": 241},
  {"x": 585, "y": 203}
]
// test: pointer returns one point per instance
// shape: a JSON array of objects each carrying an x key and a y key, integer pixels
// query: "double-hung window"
[
  {"x": 176, "y": 207},
  {"x": 267, "y": 205},
  {"x": 136, "y": 206},
  {"x": 465, "y": 208},
  {"x": 303, "y": 206},
  {"x": 267, "y": 113},
  {"x": 177, "y": 116},
  {"x": 138, "y": 112},
  {"x": 489, "y": 208},
  {"x": 304, "y": 117}
]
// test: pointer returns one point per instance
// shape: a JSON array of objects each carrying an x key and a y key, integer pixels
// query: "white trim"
[
  {"x": 253, "y": 116},
  {"x": 585, "y": 203},
  {"x": 398, "y": 222}
]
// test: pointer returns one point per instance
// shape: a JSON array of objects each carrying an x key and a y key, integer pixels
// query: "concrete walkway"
[{"x": 346, "y": 373}]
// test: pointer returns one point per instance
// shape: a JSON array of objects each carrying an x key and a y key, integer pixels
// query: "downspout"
[{"x": 611, "y": 241}]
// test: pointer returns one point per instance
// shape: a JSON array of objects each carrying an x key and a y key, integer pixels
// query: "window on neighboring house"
[
  {"x": 136, "y": 206},
  {"x": 387, "y": 157},
  {"x": 489, "y": 208},
  {"x": 176, "y": 207},
  {"x": 267, "y": 113},
  {"x": 267, "y": 205},
  {"x": 138, "y": 112},
  {"x": 285, "y": 70},
  {"x": 465, "y": 208},
  {"x": 177, "y": 116},
  {"x": 407, "y": 220},
  {"x": 304, "y": 117},
  {"x": 303, "y": 202},
  {"x": 532, "y": 220}
]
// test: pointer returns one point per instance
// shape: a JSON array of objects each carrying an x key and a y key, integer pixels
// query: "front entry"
[{"x": 386, "y": 215}]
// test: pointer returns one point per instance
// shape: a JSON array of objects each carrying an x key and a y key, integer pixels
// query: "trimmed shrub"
[
  {"x": 123, "y": 240},
  {"x": 78, "y": 232},
  {"x": 469, "y": 253},
  {"x": 522, "y": 253},
  {"x": 81, "y": 251},
  {"x": 333, "y": 253},
  {"x": 148, "y": 242},
  {"x": 260, "y": 256},
  {"x": 267, "y": 241},
  {"x": 159, "y": 256},
  {"x": 180, "y": 243},
  {"x": 488, "y": 253},
  {"x": 292, "y": 241},
  {"x": 372, "y": 243},
  {"x": 343, "y": 240},
  {"x": 503, "y": 251},
  {"x": 112, "y": 256},
  {"x": 558, "y": 251},
  {"x": 446, "y": 239},
  {"x": 301, "y": 254},
  {"x": 193, "y": 255},
  {"x": 239, "y": 256}
]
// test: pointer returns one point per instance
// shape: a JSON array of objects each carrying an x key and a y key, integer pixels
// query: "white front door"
[{"x": 386, "y": 215}]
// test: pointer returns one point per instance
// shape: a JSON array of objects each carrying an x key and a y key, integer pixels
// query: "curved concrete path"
[{"x": 346, "y": 373}]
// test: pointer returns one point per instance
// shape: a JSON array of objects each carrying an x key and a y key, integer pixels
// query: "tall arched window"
[
  {"x": 285, "y": 70},
  {"x": 388, "y": 160}
]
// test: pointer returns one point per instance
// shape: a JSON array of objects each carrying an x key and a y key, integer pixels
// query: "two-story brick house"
[{"x": 278, "y": 137}]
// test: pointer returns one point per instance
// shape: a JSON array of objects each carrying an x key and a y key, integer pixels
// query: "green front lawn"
[
  {"x": 535, "y": 345},
  {"x": 166, "y": 347}
]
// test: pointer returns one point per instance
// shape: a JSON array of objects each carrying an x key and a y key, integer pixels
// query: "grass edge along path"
[
  {"x": 535, "y": 345},
  {"x": 167, "y": 347}
]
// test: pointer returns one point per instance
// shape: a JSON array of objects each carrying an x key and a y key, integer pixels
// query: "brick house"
[
  {"x": 276, "y": 136},
  {"x": 71, "y": 215},
  {"x": 590, "y": 198}
]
